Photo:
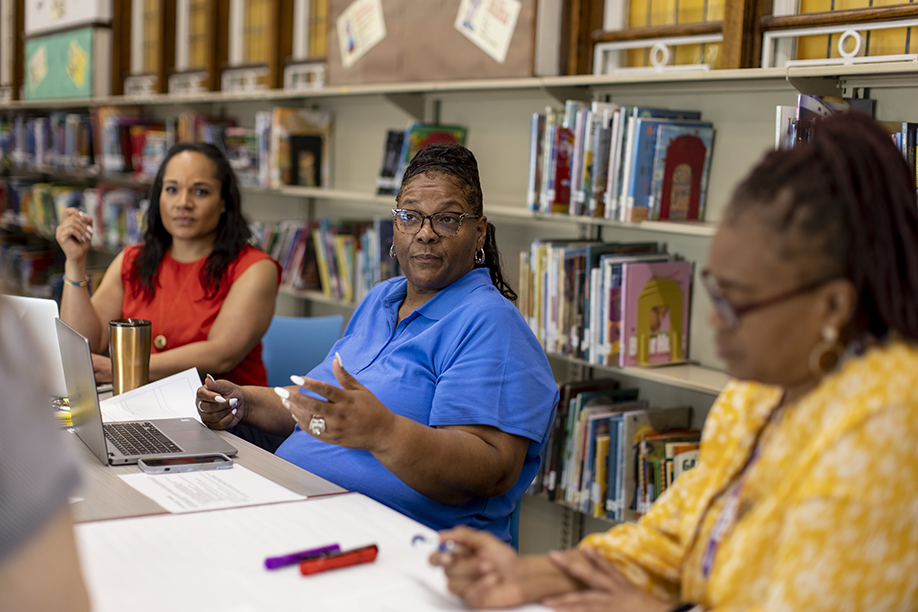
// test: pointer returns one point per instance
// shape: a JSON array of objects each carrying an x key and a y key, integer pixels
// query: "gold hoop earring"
[
  {"x": 479, "y": 256},
  {"x": 392, "y": 251},
  {"x": 827, "y": 354}
]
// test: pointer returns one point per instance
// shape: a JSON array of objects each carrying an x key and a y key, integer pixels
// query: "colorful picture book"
[
  {"x": 681, "y": 165},
  {"x": 419, "y": 136},
  {"x": 312, "y": 160},
  {"x": 655, "y": 312}
]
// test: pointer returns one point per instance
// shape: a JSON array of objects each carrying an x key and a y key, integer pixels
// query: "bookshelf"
[{"x": 740, "y": 103}]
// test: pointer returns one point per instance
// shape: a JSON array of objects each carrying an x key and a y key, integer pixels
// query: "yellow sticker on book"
[{"x": 77, "y": 60}]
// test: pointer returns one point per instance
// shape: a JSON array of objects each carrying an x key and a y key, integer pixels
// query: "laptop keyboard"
[{"x": 139, "y": 439}]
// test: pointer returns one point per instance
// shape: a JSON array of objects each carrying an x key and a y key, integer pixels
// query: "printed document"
[
  {"x": 210, "y": 489},
  {"x": 168, "y": 398}
]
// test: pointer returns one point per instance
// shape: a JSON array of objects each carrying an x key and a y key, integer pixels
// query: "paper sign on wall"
[
  {"x": 360, "y": 28},
  {"x": 489, "y": 24}
]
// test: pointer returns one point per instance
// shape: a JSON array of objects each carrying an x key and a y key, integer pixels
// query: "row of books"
[
  {"x": 402, "y": 145},
  {"x": 617, "y": 162},
  {"x": 27, "y": 269},
  {"x": 609, "y": 454},
  {"x": 117, "y": 212},
  {"x": 343, "y": 259},
  {"x": 59, "y": 140},
  {"x": 794, "y": 124},
  {"x": 286, "y": 147},
  {"x": 613, "y": 304}
]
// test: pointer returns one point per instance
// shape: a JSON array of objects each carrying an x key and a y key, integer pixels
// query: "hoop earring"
[
  {"x": 392, "y": 251},
  {"x": 479, "y": 256},
  {"x": 827, "y": 354}
]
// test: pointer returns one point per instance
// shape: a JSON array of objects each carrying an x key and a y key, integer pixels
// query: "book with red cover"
[
  {"x": 680, "y": 172},
  {"x": 562, "y": 152}
]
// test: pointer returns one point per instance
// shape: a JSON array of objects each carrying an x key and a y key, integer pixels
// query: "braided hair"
[
  {"x": 458, "y": 162},
  {"x": 850, "y": 193},
  {"x": 232, "y": 231}
]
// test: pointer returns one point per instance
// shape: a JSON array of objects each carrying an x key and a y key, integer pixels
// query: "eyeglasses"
[
  {"x": 443, "y": 224},
  {"x": 731, "y": 314}
]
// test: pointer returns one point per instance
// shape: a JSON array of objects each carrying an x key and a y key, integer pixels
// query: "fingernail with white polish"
[
  {"x": 234, "y": 410},
  {"x": 286, "y": 404},
  {"x": 233, "y": 402},
  {"x": 211, "y": 377},
  {"x": 219, "y": 399},
  {"x": 338, "y": 358},
  {"x": 299, "y": 381},
  {"x": 281, "y": 392}
]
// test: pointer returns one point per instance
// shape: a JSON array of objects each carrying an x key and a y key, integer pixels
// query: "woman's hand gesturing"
[
  {"x": 220, "y": 403},
  {"x": 74, "y": 234},
  {"x": 349, "y": 415}
]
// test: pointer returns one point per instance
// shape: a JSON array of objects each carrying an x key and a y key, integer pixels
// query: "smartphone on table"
[{"x": 172, "y": 464}]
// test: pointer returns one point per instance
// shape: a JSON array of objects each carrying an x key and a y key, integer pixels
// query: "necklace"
[{"x": 160, "y": 342}]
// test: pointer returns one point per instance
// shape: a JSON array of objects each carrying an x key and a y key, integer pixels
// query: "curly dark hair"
[
  {"x": 232, "y": 230},
  {"x": 850, "y": 192},
  {"x": 458, "y": 162}
]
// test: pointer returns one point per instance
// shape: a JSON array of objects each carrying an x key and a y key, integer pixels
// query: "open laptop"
[
  {"x": 36, "y": 316},
  {"x": 124, "y": 442}
]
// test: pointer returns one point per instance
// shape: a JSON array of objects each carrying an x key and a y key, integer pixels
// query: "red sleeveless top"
[{"x": 180, "y": 312}]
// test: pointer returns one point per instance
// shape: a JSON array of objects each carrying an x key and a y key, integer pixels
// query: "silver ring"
[
  {"x": 197, "y": 403},
  {"x": 316, "y": 425}
]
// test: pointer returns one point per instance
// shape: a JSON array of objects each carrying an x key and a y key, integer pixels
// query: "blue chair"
[
  {"x": 295, "y": 345},
  {"x": 515, "y": 526}
]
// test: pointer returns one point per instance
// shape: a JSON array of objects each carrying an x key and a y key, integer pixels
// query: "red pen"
[{"x": 345, "y": 558}]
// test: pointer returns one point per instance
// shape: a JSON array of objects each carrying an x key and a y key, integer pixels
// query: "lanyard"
[{"x": 725, "y": 520}]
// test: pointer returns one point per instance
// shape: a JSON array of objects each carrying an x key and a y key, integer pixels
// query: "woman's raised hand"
[
  {"x": 74, "y": 234},
  {"x": 220, "y": 403},
  {"x": 349, "y": 415}
]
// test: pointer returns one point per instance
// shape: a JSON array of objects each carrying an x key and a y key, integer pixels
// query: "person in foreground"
[
  {"x": 805, "y": 496},
  {"x": 209, "y": 295},
  {"x": 39, "y": 565},
  {"x": 438, "y": 398}
]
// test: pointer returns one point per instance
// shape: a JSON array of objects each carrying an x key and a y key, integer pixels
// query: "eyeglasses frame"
[
  {"x": 731, "y": 314},
  {"x": 429, "y": 218}
]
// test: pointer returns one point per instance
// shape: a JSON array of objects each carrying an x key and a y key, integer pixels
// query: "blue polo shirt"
[{"x": 466, "y": 357}]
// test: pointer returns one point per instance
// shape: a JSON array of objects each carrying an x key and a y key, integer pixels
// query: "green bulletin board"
[{"x": 59, "y": 65}]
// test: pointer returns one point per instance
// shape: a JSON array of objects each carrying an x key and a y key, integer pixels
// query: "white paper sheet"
[
  {"x": 170, "y": 397},
  {"x": 214, "y": 561},
  {"x": 361, "y": 27},
  {"x": 489, "y": 24},
  {"x": 209, "y": 490}
]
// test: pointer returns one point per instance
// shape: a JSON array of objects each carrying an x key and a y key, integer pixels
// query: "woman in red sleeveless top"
[{"x": 209, "y": 295}]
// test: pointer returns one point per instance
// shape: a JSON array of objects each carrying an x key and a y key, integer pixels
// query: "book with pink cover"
[{"x": 655, "y": 312}]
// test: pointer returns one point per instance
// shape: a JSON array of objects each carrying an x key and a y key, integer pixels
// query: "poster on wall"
[
  {"x": 489, "y": 24},
  {"x": 58, "y": 65},
  {"x": 360, "y": 28}
]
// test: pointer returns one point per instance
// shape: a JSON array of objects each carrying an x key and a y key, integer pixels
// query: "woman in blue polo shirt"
[{"x": 438, "y": 399}]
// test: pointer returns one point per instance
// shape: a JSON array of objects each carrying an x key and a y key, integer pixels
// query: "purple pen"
[{"x": 293, "y": 558}]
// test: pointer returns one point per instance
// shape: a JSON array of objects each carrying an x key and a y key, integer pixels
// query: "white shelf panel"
[
  {"x": 690, "y": 377},
  {"x": 321, "y": 193},
  {"x": 683, "y": 376},
  {"x": 386, "y": 202},
  {"x": 315, "y": 296},
  {"x": 669, "y": 227},
  {"x": 534, "y": 84}
]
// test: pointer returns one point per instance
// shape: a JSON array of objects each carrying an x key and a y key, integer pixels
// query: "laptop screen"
[
  {"x": 36, "y": 316},
  {"x": 81, "y": 389}
]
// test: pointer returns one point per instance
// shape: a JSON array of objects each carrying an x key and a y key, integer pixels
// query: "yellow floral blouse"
[{"x": 826, "y": 513}]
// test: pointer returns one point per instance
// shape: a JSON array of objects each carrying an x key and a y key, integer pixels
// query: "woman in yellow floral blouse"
[{"x": 805, "y": 496}]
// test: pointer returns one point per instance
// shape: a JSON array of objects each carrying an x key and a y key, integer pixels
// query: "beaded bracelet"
[{"x": 82, "y": 283}]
